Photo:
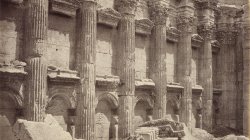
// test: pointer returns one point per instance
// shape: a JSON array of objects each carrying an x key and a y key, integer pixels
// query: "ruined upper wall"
[{"x": 234, "y": 2}]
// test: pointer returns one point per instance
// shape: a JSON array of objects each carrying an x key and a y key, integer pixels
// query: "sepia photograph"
[{"x": 124, "y": 69}]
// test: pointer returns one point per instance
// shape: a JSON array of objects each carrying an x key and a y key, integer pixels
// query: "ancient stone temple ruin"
[{"x": 102, "y": 68}]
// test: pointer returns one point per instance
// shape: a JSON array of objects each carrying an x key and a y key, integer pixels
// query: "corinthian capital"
[
  {"x": 185, "y": 23},
  {"x": 206, "y": 4},
  {"x": 126, "y": 6},
  {"x": 158, "y": 11},
  {"x": 206, "y": 31}
]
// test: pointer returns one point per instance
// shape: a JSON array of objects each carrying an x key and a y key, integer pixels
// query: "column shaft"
[
  {"x": 86, "y": 43},
  {"x": 205, "y": 76},
  {"x": 127, "y": 72},
  {"x": 184, "y": 67},
  {"x": 36, "y": 26}
]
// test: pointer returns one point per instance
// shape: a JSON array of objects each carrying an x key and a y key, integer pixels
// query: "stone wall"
[{"x": 171, "y": 62}]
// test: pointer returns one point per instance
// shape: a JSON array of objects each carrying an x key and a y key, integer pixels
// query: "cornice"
[
  {"x": 144, "y": 26},
  {"x": 108, "y": 17},
  {"x": 63, "y": 7},
  {"x": 197, "y": 41},
  {"x": 108, "y": 82},
  {"x": 197, "y": 89},
  {"x": 174, "y": 87},
  {"x": 144, "y": 84},
  {"x": 59, "y": 75},
  {"x": 13, "y": 68},
  {"x": 229, "y": 10},
  {"x": 172, "y": 34},
  {"x": 215, "y": 46}
]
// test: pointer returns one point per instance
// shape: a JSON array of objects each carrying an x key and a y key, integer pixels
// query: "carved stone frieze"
[
  {"x": 63, "y": 7},
  {"x": 197, "y": 41},
  {"x": 126, "y": 6},
  {"x": 158, "y": 12},
  {"x": 143, "y": 26},
  {"x": 215, "y": 46},
  {"x": 108, "y": 17},
  {"x": 173, "y": 34}
]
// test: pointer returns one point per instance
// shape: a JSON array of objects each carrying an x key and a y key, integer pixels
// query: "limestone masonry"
[{"x": 124, "y": 69}]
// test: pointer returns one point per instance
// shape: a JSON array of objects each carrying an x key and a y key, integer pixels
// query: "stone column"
[
  {"x": 158, "y": 73},
  {"x": 246, "y": 71},
  {"x": 36, "y": 26},
  {"x": 127, "y": 65},
  {"x": 205, "y": 75},
  {"x": 184, "y": 24},
  {"x": 86, "y": 46}
]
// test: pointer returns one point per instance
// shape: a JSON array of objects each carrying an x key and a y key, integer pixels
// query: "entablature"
[
  {"x": 174, "y": 87},
  {"x": 62, "y": 75},
  {"x": 215, "y": 46},
  {"x": 108, "y": 17},
  {"x": 197, "y": 89},
  {"x": 173, "y": 34},
  {"x": 63, "y": 7},
  {"x": 109, "y": 82},
  {"x": 143, "y": 26},
  {"x": 197, "y": 41},
  {"x": 144, "y": 84},
  {"x": 15, "y": 68}
]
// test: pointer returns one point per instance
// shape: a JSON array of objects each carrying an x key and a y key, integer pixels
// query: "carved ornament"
[
  {"x": 144, "y": 84},
  {"x": 63, "y": 7},
  {"x": 172, "y": 34},
  {"x": 215, "y": 46},
  {"x": 126, "y": 6},
  {"x": 197, "y": 89},
  {"x": 185, "y": 23},
  {"x": 206, "y": 4},
  {"x": 108, "y": 17},
  {"x": 206, "y": 31},
  {"x": 108, "y": 82},
  {"x": 143, "y": 26},
  {"x": 158, "y": 12},
  {"x": 13, "y": 68},
  {"x": 174, "y": 87},
  {"x": 197, "y": 41},
  {"x": 144, "y": 97}
]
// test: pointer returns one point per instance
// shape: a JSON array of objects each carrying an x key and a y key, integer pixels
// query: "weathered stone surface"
[{"x": 48, "y": 130}]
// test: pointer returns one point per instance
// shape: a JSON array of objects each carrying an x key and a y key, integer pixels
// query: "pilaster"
[
  {"x": 86, "y": 46},
  {"x": 36, "y": 27},
  {"x": 127, "y": 65},
  {"x": 185, "y": 24},
  {"x": 158, "y": 13}
]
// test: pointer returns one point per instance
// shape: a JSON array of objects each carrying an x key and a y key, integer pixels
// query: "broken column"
[
  {"x": 36, "y": 27},
  {"x": 158, "y": 11},
  {"x": 127, "y": 65},
  {"x": 184, "y": 24},
  {"x": 86, "y": 46},
  {"x": 246, "y": 71},
  {"x": 205, "y": 76}
]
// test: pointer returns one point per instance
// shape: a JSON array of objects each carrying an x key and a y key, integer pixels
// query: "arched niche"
[
  {"x": 106, "y": 111},
  {"x": 58, "y": 107},
  {"x": 142, "y": 109},
  {"x": 10, "y": 102}
]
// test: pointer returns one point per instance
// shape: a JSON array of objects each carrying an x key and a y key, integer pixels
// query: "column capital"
[
  {"x": 206, "y": 31},
  {"x": 206, "y": 4},
  {"x": 126, "y": 6},
  {"x": 185, "y": 23},
  {"x": 158, "y": 11}
]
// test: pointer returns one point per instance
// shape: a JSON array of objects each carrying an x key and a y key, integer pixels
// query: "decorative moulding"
[
  {"x": 197, "y": 89},
  {"x": 196, "y": 41},
  {"x": 143, "y": 26},
  {"x": 144, "y": 84},
  {"x": 217, "y": 91},
  {"x": 174, "y": 87},
  {"x": 107, "y": 81},
  {"x": 61, "y": 75},
  {"x": 63, "y": 7},
  {"x": 173, "y": 34},
  {"x": 108, "y": 17},
  {"x": 14, "y": 68},
  {"x": 215, "y": 46}
]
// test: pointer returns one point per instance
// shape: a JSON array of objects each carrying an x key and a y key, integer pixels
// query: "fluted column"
[
  {"x": 36, "y": 26},
  {"x": 127, "y": 67},
  {"x": 246, "y": 71},
  {"x": 184, "y": 24},
  {"x": 86, "y": 46},
  {"x": 158, "y": 72},
  {"x": 205, "y": 75}
]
